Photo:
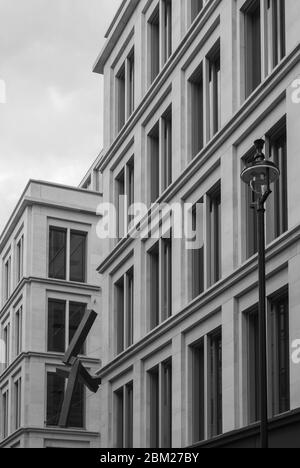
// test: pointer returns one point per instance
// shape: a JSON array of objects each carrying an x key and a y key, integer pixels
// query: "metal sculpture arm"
[{"x": 74, "y": 371}]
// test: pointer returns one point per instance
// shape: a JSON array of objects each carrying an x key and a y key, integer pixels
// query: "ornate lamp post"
[{"x": 259, "y": 175}]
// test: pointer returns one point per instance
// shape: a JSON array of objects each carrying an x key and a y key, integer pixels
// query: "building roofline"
[
  {"x": 24, "y": 201},
  {"x": 92, "y": 167},
  {"x": 115, "y": 19},
  {"x": 114, "y": 32}
]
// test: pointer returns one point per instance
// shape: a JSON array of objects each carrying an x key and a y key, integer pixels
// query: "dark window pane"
[
  {"x": 281, "y": 356},
  {"x": 154, "y": 287},
  {"x": 55, "y": 396},
  {"x": 77, "y": 256},
  {"x": 77, "y": 411},
  {"x": 56, "y": 326},
  {"x": 198, "y": 396},
  {"x": 167, "y": 405},
  {"x": 119, "y": 402},
  {"x": 154, "y": 408},
  {"x": 216, "y": 384},
  {"x": 253, "y": 367},
  {"x": 154, "y": 44},
  {"x": 129, "y": 416},
  {"x": 57, "y": 253},
  {"x": 76, "y": 313},
  {"x": 253, "y": 47}
]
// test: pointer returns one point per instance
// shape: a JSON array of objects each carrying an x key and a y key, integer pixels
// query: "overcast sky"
[{"x": 51, "y": 124}]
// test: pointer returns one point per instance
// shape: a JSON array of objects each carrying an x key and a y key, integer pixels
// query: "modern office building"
[
  {"x": 49, "y": 252},
  {"x": 188, "y": 86}
]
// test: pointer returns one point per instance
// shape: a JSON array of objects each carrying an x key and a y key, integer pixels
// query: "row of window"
[
  {"x": 11, "y": 405},
  {"x": 260, "y": 19},
  {"x": 206, "y": 383},
  {"x": 67, "y": 259},
  {"x": 204, "y": 262},
  {"x": 64, "y": 318}
]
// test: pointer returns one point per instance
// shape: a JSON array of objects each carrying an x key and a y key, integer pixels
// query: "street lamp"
[{"x": 259, "y": 175}]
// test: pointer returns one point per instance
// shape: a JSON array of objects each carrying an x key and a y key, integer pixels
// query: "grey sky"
[{"x": 51, "y": 125}]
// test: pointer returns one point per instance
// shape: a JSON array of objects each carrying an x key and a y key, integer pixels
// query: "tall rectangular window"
[
  {"x": 197, "y": 111},
  {"x": 56, "y": 326},
  {"x": 154, "y": 26},
  {"x": 18, "y": 330},
  {"x": 76, "y": 314},
  {"x": 121, "y": 93},
  {"x": 275, "y": 32},
  {"x": 131, "y": 83},
  {"x": 160, "y": 287},
  {"x": 20, "y": 259},
  {"x": 120, "y": 314},
  {"x": 7, "y": 279},
  {"x": 160, "y": 394},
  {"x": 154, "y": 407},
  {"x": 166, "y": 278},
  {"x": 215, "y": 383},
  {"x": 167, "y": 30},
  {"x": 206, "y": 386},
  {"x": 277, "y": 207},
  {"x": 5, "y": 414},
  {"x": 6, "y": 339},
  {"x": 166, "y": 370},
  {"x": 124, "y": 317},
  {"x": 253, "y": 52},
  {"x": 154, "y": 286},
  {"x": 120, "y": 193},
  {"x": 154, "y": 152},
  {"x": 17, "y": 403},
  {"x": 55, "y": 396},
  {"x": 64, "y": 319},
  {"x": 77, "y": 256},
  {"x": 198, "y": 392},
  {"x": 280, "y": 355},
  {"x": 197, "y": 253},
  {"x": 215, "y": 234},
  {"x": 57, "y": 253},
  {"x": 160, "y": 155},
  {"x": 125, "y": 91},
  {"x": 130, "y": 189},
  {"x": 124, "y": 416},
  {"x": 253, "y": 366},
  {"x": 278, "y": 148},
  {"x": 167, "y": 150},
  {"x": 214, "y": 90},
  {"x": 279, "y": 360}
]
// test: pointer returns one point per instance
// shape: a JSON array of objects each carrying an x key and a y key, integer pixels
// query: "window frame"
[
  {"x": 67, "y": 303},
  {"x": 68, "y": 229}
]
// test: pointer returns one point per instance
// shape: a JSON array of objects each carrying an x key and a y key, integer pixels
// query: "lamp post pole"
[
  {"x": 264, "y": 439},
  {"x": 259, "y": 175}
]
